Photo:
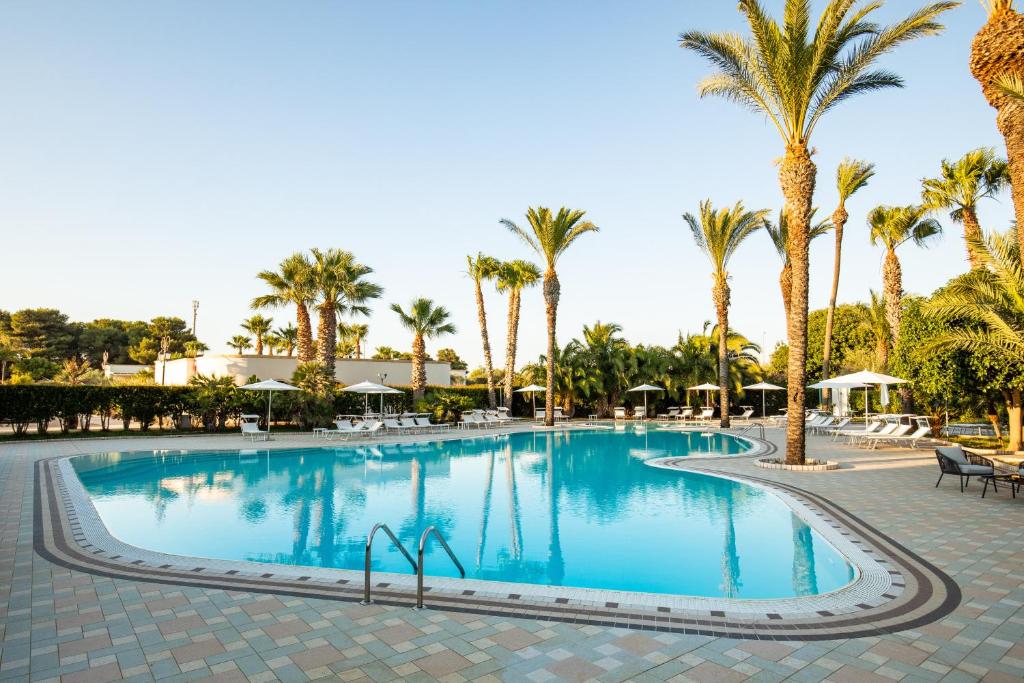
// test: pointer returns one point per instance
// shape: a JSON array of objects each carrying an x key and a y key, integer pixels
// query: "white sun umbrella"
[
  {"x": 367, "y": 388},
  {"x": 532, "y": 391},
  {"x": 764, "y": 387},
  {"x": 269, "y": 386},
  {"x": 708, "y": 387},
  {"x": 868, "y": 378},
  {"x": 645, "y": 388}
]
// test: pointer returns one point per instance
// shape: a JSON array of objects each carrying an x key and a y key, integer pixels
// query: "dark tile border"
[{"x": 929, "y": 594}]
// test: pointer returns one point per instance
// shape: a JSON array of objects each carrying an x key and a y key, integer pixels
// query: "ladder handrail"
[
  {"x": 750, "y": 426},
  {"x": 419, "y": 572},
  {"x": 369, "y": 544}
]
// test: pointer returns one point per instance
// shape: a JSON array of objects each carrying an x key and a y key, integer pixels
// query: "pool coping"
[{"x": 905, "y": 592}]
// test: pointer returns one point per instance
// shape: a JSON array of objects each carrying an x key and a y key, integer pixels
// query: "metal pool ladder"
[
  {"x": 419, "y": 556},
  {"x": 750, "y": 427},
  {"x": 398, "y": 544}
]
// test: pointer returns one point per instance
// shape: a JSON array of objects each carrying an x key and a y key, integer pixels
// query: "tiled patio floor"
[{"x": 61, "y": 624}]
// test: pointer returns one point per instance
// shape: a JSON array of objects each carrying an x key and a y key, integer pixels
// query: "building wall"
[{"x": 347, "y": 370}]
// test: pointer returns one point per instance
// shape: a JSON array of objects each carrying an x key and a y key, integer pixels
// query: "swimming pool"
[{"x": 572, "y": 508}]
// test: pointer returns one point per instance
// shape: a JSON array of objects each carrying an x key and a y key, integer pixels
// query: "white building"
[{"x": 346, "y": 370}]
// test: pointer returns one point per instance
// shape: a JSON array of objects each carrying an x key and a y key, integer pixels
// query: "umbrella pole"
[
  {"x": 764, "y": 403},
  {"x": 382, "y": 406},
  {"x": 270, "y": 399},
  {"x": 645, "y": 405}
]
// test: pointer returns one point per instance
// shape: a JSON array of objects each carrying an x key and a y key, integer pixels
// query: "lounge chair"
[
  {"x": 870, "y": 428},
  {"x": 559, "y": 415},
  {"x": 910, "y": 439},
  {"x": 496, "y": 417},
  {"x": 251, "y": 429},
  {"x": 640, "y": 413},
  {"x": 884, "y": 429},
  {"x": 471, "y": 419},
  {"x": 505, "y": 414},
  {"x": 541, "y": 414},
  {"x": 833, "y": 428},
  {"x": 706, "y": 414},
  {"x": 425, "y": 423},
  {"x": 871, "y": 441},
  {"x": 746, "y": 414},
  {"x": 620, "y": 413},
  {"x": 672, "y": 413},
  {"x": 685, "y": 414},
  {"x": 392, "y": 424},
  {"x": 343, "y": 428},
  {"x": 957, "y": 462}
]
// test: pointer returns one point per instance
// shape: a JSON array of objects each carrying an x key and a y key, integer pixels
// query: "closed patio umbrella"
[
  {"x": 532, "y": 391},
  {"x": 764, "y": 387},
  {"x": 645, "y": 388},
  {"x": 269, "y": 386}
]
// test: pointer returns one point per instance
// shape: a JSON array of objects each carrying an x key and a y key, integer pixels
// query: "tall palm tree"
[
  {"x": 793, "y": 74},
  {"x": 779, "y": 234},
  {"x": 259, "y": 327},
  {"x": 286, "y": 337},
  {"x": 872, "y": 318},
  {"x": 851, "y": 176},
  {"x": 550, "y": 236},
  {"x": 978, "y": 175},
  {"x": 988, "y": 304},
  {"x": 291, "y": 285},
  {"x": 513, "y": 278},
  {"x": 240, "y": 343},
  {"x": 996, "y": 64},
  {"x": 719, "y": 233},
  {"x": 484, "y": 268},
  {"x": 341, "y": 289},
  {"x": 892, "y": 227},
  {"x": 426, "y": 321}
]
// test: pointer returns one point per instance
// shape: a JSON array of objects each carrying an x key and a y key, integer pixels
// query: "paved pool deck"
[{"x": 58, "y": 623}]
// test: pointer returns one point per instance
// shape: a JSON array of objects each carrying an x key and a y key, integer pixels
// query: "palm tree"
[
  {"x": 550, "y": 236},
  {"x": 357, "y": 333},
  {"x": 426, "y": 321},
  {"x": 988, "y": 304},
  {"x": 779, "y": 234},
  {"x": 996, "y": 64},
  {"x": 241, "y": 343},
  {"x": 513, "y": 277},
  {"x": 484, "y": 268},
  {"x": 872, "y": 318},
  {"x": 285, "y": 339},
  {"x": 605, "y": 360},
  {"x": 259, "y": 327},
  {"x": 892, "y": 227},
  {"x": 851, "y": 176},
  {"x": 342, "y": 290},
  {"x": 793, "y": 77},
  {"x": 978, "y": 175},
  {"x": 291, "y": 284},
  {"x": 719, "y": 233}
]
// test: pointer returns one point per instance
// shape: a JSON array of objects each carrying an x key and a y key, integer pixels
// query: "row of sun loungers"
[
  {"x": 482, "y": 419},
  {"x": 888, "y": 431}
]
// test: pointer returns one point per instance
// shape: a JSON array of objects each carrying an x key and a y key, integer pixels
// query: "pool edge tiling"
[{"x": 915, "y": 594}]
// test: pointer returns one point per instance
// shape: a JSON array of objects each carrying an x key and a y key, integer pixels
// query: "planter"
[{"x": 809, "y": 466}]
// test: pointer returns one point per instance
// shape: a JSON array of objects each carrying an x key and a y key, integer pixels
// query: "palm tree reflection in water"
[{"x": 805, "y": 581}]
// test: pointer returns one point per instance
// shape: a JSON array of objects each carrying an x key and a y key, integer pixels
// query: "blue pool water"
[{"x": 573, "y": 508}]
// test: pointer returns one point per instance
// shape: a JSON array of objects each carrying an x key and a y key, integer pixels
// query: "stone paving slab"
[{"x": 110, "y": 628}]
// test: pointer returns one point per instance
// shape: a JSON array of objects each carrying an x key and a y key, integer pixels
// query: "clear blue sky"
[{"x": 153, "y": 153}]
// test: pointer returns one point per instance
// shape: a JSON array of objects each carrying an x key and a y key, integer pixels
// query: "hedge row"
[{"x": 85, "y": 407}]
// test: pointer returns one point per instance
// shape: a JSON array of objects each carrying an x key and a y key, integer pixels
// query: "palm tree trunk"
[
  {"x": 305, "y": 333},
  {"x": 1013, "y": 410},
  {"x": 786, "y": 286},
  {"x": 512, "y": 342},
  {"x": 995, "y": 52},
  {"x": 796, "y": 177},
  {"x": 892, "y": 280},
  {"x": 419, "y": 372},
  {"x": 481, "y": 316},
  {"x": 720, "y": 293},
  {"x": 972, "y": 231},
  {"x": 839, "y": 218},
  {"x": 1011, "y": 125},
  {"x": 552, "y": 289},
  {"x": 326, "y": 341},
  {"x": 359, "y": 347},
  {"x": 259, "y": 345}
]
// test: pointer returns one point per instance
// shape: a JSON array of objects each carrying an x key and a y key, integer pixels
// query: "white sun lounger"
[{"x": 251, "y": 430}]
